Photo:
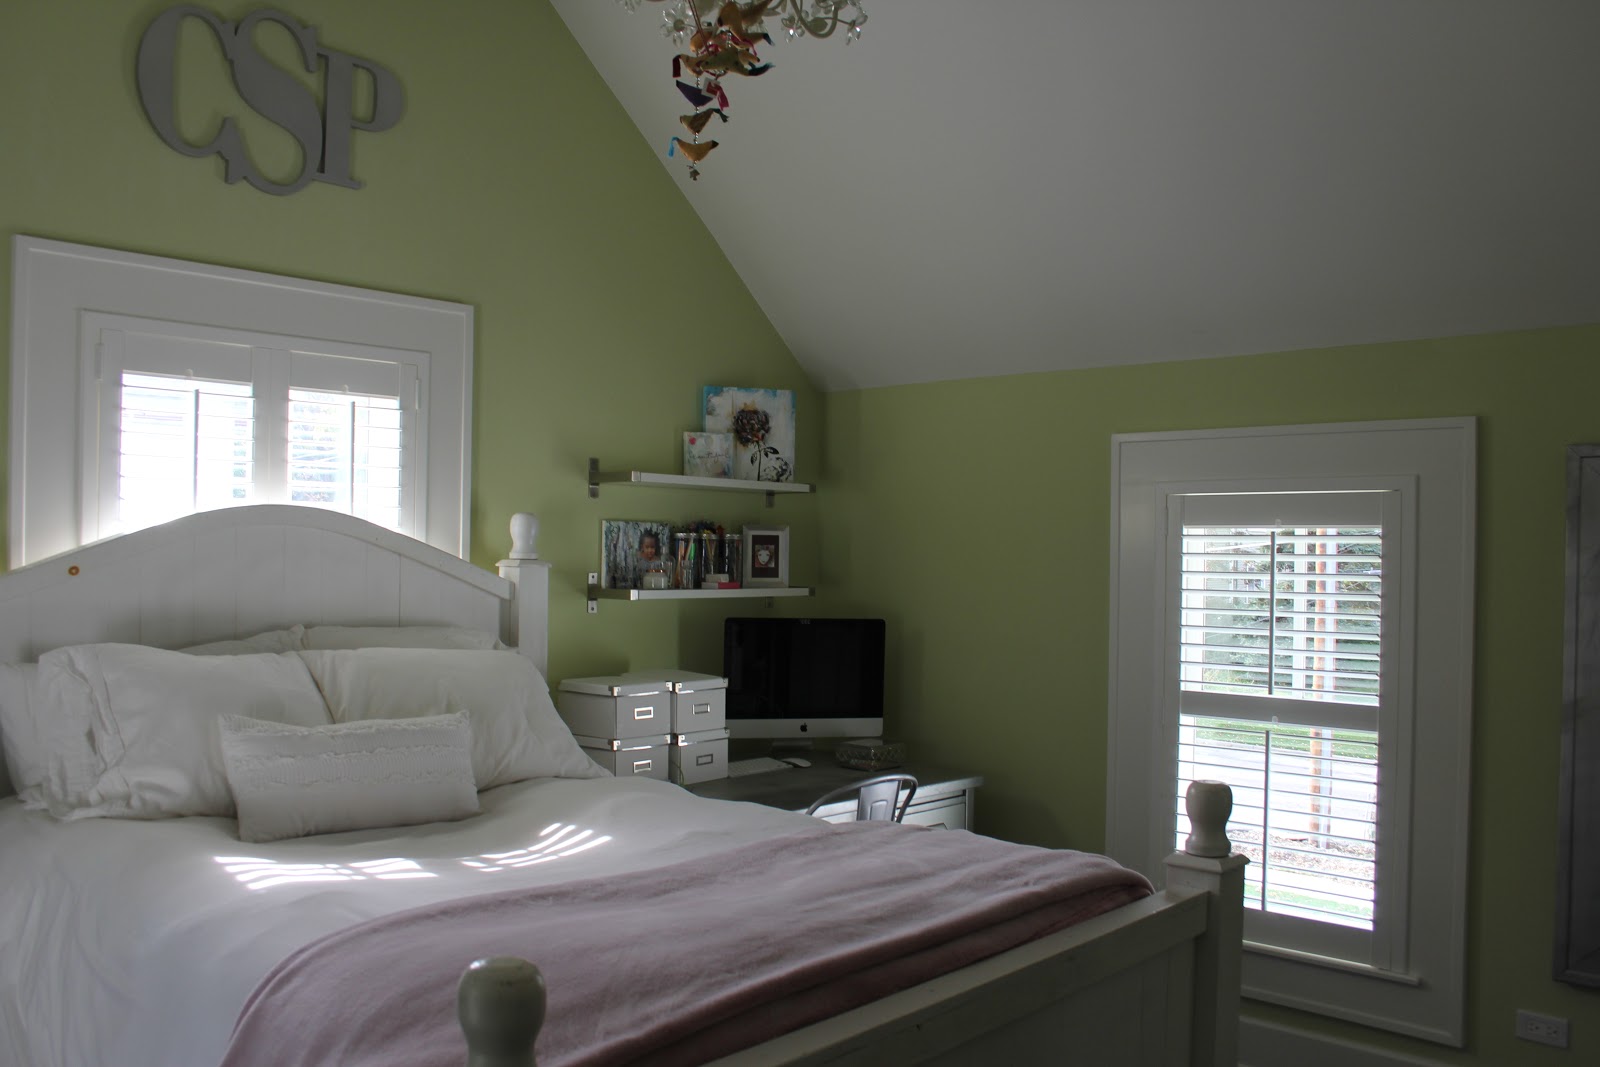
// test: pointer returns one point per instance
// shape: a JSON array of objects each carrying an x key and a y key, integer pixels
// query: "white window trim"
[
  {"x": 55, "y": 284},
  {"x": 1425, "y": 998}
]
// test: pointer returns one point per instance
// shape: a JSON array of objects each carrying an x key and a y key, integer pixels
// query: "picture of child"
[{"x": 629, "y": 549}]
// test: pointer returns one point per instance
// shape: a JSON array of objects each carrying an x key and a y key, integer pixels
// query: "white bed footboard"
[{"x": 1152, "y": 984}]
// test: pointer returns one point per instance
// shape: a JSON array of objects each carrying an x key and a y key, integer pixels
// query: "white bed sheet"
[{"x": 136, "y": 943}]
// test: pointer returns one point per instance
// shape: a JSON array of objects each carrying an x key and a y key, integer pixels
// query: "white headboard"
[{"x": 239, "y": 571}]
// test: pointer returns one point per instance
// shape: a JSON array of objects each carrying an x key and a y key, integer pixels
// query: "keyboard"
[{"x": 759, "y": 765}]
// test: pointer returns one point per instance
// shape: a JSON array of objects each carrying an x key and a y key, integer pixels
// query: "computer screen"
[{"x": 804, "y": 678}]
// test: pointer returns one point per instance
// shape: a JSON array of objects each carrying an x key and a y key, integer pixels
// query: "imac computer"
[{"x": 797, "y": 679}]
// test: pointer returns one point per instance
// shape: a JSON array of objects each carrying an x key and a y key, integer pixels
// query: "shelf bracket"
[
  {"x": 594, "y": 583},
  {"x": 771, "y": 498},
  {"x": 594, "y": 492}
]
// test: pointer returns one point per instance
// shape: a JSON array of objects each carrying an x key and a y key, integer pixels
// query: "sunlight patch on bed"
[
  {"x": 555, "y": 841},
  {"x": 256, "y": 873}
]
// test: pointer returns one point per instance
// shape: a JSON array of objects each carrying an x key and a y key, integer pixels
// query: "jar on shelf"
[
  {"x": 656, "y": 574},
  {"x": 686, "y": 551},
  {"x": 708, "y": 556}
]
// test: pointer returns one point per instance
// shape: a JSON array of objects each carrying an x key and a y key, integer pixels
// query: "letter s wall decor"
[{"x": 324, "y": 135}]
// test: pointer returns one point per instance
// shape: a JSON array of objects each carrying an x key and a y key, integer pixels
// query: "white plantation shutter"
[
  {"x": 1280, "y": 662},
  {"x": 192, "y": 418},
  {"x": 183, "y": 445},
  {"x": 349, "y": 437},
  {"x": 345, "y": 454}
]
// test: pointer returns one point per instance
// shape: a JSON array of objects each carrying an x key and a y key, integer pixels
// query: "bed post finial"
[
  {"x": 1208, "y": 805},
  {"x": 524, "y": 532},
  {"x": 501, "y": 1004}
]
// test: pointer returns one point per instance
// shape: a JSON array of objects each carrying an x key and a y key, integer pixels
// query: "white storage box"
[
  {"x": 644, "y": 757},
  {"x": 619, "y": 706},
  {"x": 699, "y": 701},
  {"x": 699, "y": 757}
]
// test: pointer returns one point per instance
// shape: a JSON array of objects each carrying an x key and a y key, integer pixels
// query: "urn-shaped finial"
[
  {"x": 1209, "y": 804},
  {"x": 501, "y": 1001},
  {"x": 524, "y": 532}
]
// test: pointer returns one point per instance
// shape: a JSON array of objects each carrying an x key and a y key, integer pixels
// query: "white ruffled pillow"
[
  {"x": 319, "y": 638},
  {"x": 152, "y": 724},
  {"x": 294, "y": 781},
  {"x": 45, "y": 720},
  {"x": 516, "y": 733}
]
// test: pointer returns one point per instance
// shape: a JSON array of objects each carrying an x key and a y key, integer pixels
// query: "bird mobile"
[{"x": 725, "y": 46}]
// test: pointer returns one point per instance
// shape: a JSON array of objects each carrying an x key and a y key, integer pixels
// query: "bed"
[{"x": 164, "y": 941}]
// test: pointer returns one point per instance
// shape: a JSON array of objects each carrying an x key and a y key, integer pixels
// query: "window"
[
  {"x": 184, "y": 348},
  {"x": 1279, "y": 645},
  {"x": 1292, "y": 615},
  {"x": 191, "y": 418}
]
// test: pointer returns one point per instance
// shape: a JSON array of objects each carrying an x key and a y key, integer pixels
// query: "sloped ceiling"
[{"x": 992, "y": 188}]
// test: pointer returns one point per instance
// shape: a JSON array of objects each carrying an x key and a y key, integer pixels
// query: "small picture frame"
[
  {"x": 766, "y": 557},
  {"x": 707, "y": 455}
]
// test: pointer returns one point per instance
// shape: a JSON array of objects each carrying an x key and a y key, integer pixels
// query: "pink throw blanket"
[{"x": 685, "y": 963}]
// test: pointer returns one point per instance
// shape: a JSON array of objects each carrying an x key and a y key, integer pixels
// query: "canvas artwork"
[
  {"x": 630, "y": 548},
  {"x": 762, "y": 424},
  {"x": 707, "y": 455}
]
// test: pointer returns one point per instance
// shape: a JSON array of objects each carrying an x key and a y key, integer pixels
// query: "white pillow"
[
  {"x": 332, "y": 637},
  {"x": 45, "y": 717},
  {"x": 291, "y": 640},
  {"x": 293, "y": 781},
  {"x": 45, "y": 722},
  {"x": 516, "y": 733},
  {"x": 153, "y": 723},
  {"x": 20, "y": 727}
]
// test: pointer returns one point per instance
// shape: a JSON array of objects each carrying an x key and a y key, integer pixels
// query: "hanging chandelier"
[{"x": 725, "y": 46}]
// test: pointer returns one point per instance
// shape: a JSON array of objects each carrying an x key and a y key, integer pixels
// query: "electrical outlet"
[{"x": 1542, "y": 1029}]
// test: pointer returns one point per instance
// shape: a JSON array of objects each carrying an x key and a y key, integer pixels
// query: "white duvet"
[{"x": 134, "y": 944}]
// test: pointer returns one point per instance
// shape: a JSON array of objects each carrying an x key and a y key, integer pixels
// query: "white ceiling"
[{"x": 992, "y": 188}]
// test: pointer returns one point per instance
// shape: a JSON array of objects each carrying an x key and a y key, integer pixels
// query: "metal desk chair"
[{"x": 875, "y": 797}]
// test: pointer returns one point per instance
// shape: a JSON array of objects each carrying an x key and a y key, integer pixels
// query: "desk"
[{"x": 943, "y": 798}]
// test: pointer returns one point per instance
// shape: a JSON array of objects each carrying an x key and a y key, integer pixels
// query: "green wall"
[
  {"x": 976, "y": 515},
  {"x": 514, "y": 183}
]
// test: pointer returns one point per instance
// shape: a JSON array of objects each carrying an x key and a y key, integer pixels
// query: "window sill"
[{"x": 1364, "y": 970}]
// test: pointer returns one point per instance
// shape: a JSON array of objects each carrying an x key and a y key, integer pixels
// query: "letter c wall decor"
[{"x": 324, "y": 134}]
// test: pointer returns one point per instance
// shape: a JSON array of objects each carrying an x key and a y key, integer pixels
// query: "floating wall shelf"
[
  {"x": 597, "y": 593},
  {"x": 598, "y": 477}
]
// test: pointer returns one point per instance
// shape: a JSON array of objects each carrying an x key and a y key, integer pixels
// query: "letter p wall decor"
[{"x": 324, "y": 134}]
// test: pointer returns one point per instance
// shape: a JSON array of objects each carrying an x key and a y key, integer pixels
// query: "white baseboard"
[{"x": 1264, "y": 1044}]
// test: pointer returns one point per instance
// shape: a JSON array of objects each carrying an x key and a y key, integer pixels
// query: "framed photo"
[
  {"x": 766, "y": 556},
  {"x": 629, "y": 549}
]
